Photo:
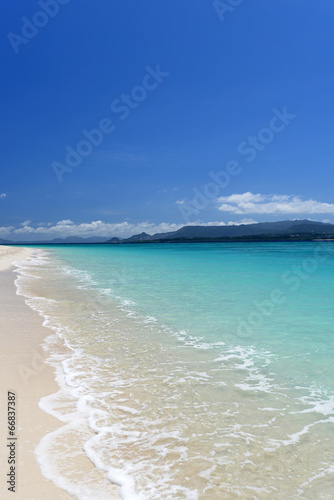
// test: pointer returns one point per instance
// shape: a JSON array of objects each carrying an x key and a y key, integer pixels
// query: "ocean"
[{"x": 188, "y": 371}]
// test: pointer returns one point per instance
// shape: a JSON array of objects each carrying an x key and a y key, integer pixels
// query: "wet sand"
[{"x": 24, "y": 372}]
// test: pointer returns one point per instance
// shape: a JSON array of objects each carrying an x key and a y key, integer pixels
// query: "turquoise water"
[
  {"x": 199, "y": 370},
  {"x": 215, "y": 292}
]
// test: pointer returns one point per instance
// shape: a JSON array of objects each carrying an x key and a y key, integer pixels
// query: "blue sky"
[{"x": 207, "y": 113}]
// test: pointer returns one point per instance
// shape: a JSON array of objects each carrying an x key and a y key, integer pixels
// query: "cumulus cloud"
[
  {"x": 65, "y": 228},
  {"x": 5, "y": 231},
  {"x": 3, "y": 195},
  {"x": 249, "y": 203},
  {"x": 26, "y": 223},
  {"x": 66, "y": 222}
]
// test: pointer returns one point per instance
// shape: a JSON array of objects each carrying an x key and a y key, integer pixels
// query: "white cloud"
[
  {"x": 66, "y": 222},
  {"x": 242, "y": 198},
  {"x": 220, "y": 223},
  {"x": 23, "y": 230},
  {"x": 3, "y": 195},
  {"x": 65, "y": 228},
  {"x": 5, "y": 231},
  {"x": 26, "y": 223},
  {"x": 249, "y": 203},
  {"x": 245, "y": 221}
]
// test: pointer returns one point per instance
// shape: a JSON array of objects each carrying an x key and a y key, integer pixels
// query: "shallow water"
[{"x": 190, "y": 370}]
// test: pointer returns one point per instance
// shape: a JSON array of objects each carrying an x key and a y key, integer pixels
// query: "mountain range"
[{"x": 287, "y": 230}]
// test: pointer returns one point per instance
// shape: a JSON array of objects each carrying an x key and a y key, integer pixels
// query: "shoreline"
[{"x": 23, "y": 371}]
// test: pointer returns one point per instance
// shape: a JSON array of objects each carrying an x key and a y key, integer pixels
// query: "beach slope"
[{"x": 24, "y": 373}]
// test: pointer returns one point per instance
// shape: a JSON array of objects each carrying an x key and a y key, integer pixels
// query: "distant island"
[
  {"x": 299, "y": 230},
  {"x": 288, "y": 230}
]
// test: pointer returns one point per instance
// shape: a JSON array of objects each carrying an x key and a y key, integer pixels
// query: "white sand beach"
[{"x": 24, "y": 372}]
